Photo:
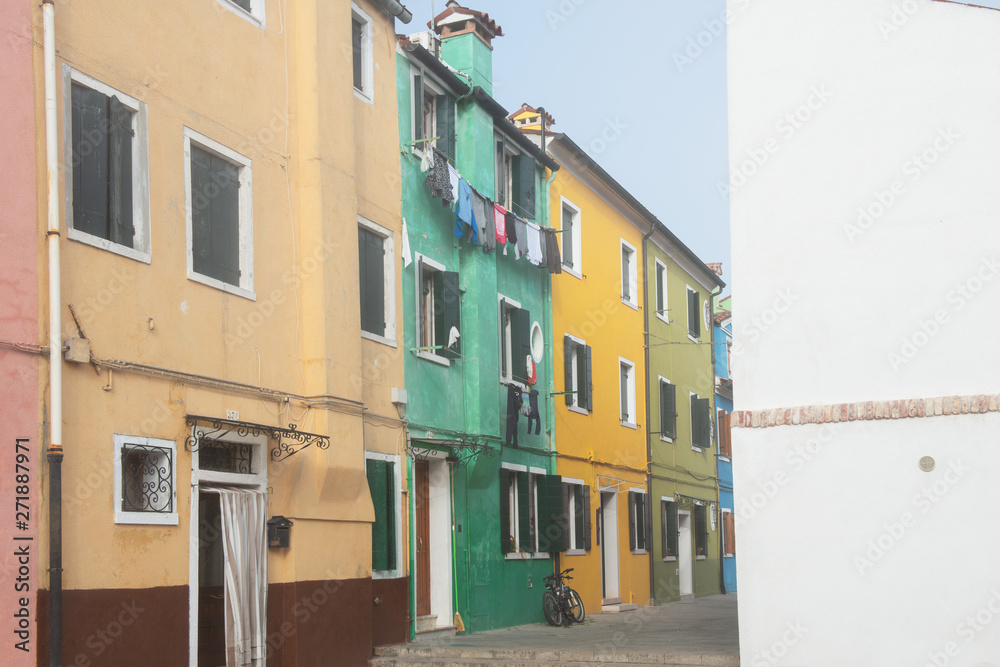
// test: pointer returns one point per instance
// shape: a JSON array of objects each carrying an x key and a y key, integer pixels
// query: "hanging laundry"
[
  {"x": 405, "y": 251},
  {"x": 483, "y": 213},
  {"x": 521, "y": 247},
  {"x": 463, "y": 211},
  {"x": 454, "y": 178},
  {"x": 426, "y": 161},
  {"x": 532, "y": 370},
  {"x": 500, "y": 215},
  {"x": 510, "y": 225},
  {"x": 533, "y": 413},
  {"x": 437, "y": 180},
  {"x": 513, "y": 413},
  {"x": 553, "y": 256},
  {"x": 535, "y": 245}
]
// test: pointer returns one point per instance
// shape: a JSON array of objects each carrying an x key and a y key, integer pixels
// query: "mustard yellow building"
[
  {"x": 228, "y": 227},
  {"x": 599, "y": 359}
]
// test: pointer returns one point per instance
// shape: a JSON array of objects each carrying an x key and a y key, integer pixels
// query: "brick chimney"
[{"x": 467, "y": 41}]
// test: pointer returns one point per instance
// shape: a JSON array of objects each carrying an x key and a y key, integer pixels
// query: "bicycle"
[{"x": 560, "y": 603}]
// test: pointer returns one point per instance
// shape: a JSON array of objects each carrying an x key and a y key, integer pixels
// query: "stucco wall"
[{"x": 864, "y": 207}]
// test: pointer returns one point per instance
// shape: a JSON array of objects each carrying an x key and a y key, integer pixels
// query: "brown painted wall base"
[{"x": 309, "y": 623}]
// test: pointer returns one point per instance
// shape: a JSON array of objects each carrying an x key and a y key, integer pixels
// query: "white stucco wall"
[{"x": 832, "y": 105}]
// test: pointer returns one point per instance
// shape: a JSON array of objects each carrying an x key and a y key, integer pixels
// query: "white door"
[
  {"x": 440, "y": 540},
  {"x": 684, "y": 561},
  {"x": 609, "y": 543}
]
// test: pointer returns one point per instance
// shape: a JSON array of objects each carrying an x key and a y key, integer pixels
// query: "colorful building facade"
[
  {"x": 477, "y": 318},
  {"x": 722, "y": 336}
]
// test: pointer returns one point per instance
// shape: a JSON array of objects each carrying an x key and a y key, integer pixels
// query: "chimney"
[{"x": 467, "y": 41}]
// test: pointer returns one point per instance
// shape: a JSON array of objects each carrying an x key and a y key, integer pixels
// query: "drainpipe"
[
  {"x": 649, "y": 433},
  {"x": 55, "y": 453},
  {"x": 397, "y": 10},
  {"x": 547, "y": 313}
]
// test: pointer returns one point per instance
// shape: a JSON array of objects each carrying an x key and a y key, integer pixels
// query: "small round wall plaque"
[{"x": 927, "y": 463}]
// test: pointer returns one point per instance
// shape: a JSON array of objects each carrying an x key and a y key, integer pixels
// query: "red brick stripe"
[{"x": 868, "y": 411}]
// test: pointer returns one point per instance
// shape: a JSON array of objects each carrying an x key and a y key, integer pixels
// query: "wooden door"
[
  {"x": 211, "y": 596},
  {"x": 422, "y": 506}
]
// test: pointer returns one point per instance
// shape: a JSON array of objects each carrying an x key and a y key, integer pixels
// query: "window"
[
  {"x": 515, "y": 341},
  {"x": 668, "y": 519},
  {"x": 629, "y": 289},
  {"x": 571, "y": 238},
  {"x": 384, "y": 483},
  {"x": 433, "y": 117},
  {"x": 638, "y": 524},
  {"x": 701, "y": 422},
  {"x": 145, "y": 480},
  {"x": 668, "y": 410},
  {"x": 252, "y": 10},
  {"x": 700, "y": 531},
  {"x": 531, "y": 512},
  {"x": 728, "y": 534},
  {"x": 725, "y": 434},
  {"x": 694, "y": 314},
  {"x": 219, "y": 217},
  {"x": 107, "y": 184},
  {"x": 662, "y": 309},
  {"x": 576, "y": 503},
  {"x": 439, "y": 309},
  {"x": 503, "y": 172},
  {"x": 626, "y": 389},
  {"x": 579, "y": 377},
  {"x": 361, "y": 50},
  {"x": 377, "y": 282}
]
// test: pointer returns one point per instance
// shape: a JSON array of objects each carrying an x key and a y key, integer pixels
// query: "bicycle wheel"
[
  {"x": 550, "y": 607},
  {"x": 575, "y": 605}
]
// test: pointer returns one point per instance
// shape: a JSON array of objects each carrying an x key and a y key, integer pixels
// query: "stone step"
[
  {"x": 617, "y": 608},
  {"x": 410, "y": 654}
]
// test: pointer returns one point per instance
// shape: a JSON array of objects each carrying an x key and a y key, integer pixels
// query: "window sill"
[
  {"x": 145, "y": 518},
  {"x": 631, "y": 304},
  {"x": 521, "y": 385},
  {"x": 662, "y": 318},
  {"x": 696, "y": 449},
  {"x": 518, "y": 556},
  {"x": 239, "y": 11},
  {"x": 391, "y": 342},
  {"x": 727, "y": 459},
  {"x": 579, "y": 411},
  {"x": 629, "y": 425},
  {"x": 429, "y": 356},
  {"x": 110, "y": 246},
  {"x": 387, "y": 574},
  {"x": 664, "y": 438},
  {"x": 575, "y": 552},
  {"x": 693, "y": 339},
  {"x": 541, "y": 556},
  {"x": 363, "y": 96},
  {"x": 670, "y": 558},
  {"x": 573, "y": 272},
  {"x": 639, "y": 552},
  {"x": 701, "y": 557},
  {"x": 729, "y": 555},
  {"x": 225, "y": 287}
]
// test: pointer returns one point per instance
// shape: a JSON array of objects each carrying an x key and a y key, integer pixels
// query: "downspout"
[
  {"x": 55, "y": 453},
  {"x": 649, "y": 432}
]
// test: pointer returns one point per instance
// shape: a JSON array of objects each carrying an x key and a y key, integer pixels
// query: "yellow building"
[
  {"x": 597, "y": 328},
  {"x": 229, "y": 236}
]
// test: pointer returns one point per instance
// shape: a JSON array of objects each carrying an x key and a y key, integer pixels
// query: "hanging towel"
[
  {"x": 501, "y": 225},
  {"x": 521, "y": 237},
  {"x": 405, "y": 251},
  {"x": 553, "y": 258},
  {"x": 463, "y": 211},
  {"x": 454, "y": 178},
  {"x": 510, "y": 226},
  {"x": 535, "y": 245},
  {"x": 484, "y": 222},
  {"x": 437, "y": 180},
  {"x": 426, "y": 160}
]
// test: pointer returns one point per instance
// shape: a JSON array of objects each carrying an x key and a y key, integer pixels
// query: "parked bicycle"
[{"x": 560, "y": 603}]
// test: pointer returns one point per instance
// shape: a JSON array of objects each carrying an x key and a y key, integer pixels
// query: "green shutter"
[
  {"x": 418, "y": 110},
  {"x": 523, "y": 513},
  {"x": 668, "y": 410},
  {"x": 623, "y": 391},
  {"x": 371, "y": 270},
  {"x": 520, "y": 338},
  {"x": 215, "y": 216},
  {"x": 660, "y": 300},
  {"x": 585, "y": 493},
  {"x": 445, "y": 125},
  {"x": 590, "y": 380},
  {"x": 505, "y": 531},
  {"x": 700, "y": 416},
  {"x": 568, "y": 385},
  {"x": 381, "y": 529},
  {"x": 552, "y": 524},
  {"x": 670, "y": 529},
  {"x": 356, "y": 30},
  {"x": 631, "y": 521},
  {"x": 626, "y": 292},
  {"x": 447, "y": 312},
  {"x": 90, "y": 161},
  {"x": 524, "y": 186},
  {"x": 694, "y": 314},
  {"x": 120, "y": 173},
  {"x": 567, "y": 237}
]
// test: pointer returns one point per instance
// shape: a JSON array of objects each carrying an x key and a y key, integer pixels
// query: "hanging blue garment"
[{"x": 463, "y": 211}]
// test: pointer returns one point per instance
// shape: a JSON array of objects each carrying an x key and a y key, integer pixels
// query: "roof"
[
  {"x": 721, "y": 316},
  {"x": 716, "y": 267},
  {"x": 525, "y": 108},
  {"x": 455, "y": 13}
]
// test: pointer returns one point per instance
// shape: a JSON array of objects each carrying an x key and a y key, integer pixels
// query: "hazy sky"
[{"x": 640, "y": 84}]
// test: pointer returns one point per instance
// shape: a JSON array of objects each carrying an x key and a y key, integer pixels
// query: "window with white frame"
[
  {"x": 662, "y": 307},
  {"x": 577, "y": 512},
  {"x": 145, "y": 480},
  {"x": 571, "y": 237},
  {"x": 531, "y": 514},
  {"x": 629, "y": 279},
  {"x": 219, "y": 204},
  {"x": 515, "y": 341},
  {"x": 668, "y": 410},
  {"x": 638, "y": 524},
  {"x": 384, "y": 483},
  {"x": 433, "y": 116},
  {"x": 578, "y": 374},
  {"x": 107, "y": 166},
  {"x": 701, "y": 422},
  {"x": 503, "y": 171},
  {"x": 252, "y": 10},
  {"x": 694, "y": 313},
  {"x": 669, "y": 528},
  {"x": 361, "y": 53},
  {"x": 439, "y": 311},
  {"x": 515, "y": 178},
  {"x": 626, "y": 390},
  {"x": 377, "y": 281}
]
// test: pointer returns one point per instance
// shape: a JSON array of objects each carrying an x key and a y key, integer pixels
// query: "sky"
[{"x": 625, "y": 83}]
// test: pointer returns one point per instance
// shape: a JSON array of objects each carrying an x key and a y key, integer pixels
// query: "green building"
[
  {"x": 684, "y": 485},
  {"x": 475, "y": 321}
]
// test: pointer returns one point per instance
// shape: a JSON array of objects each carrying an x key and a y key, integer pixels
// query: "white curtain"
[{"x": 244, "y": 543}]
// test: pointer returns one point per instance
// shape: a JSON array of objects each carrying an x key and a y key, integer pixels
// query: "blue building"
[{"x": 722, "y": 337}]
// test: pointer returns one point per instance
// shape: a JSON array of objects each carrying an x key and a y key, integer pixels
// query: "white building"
[{"x": 865, "y": 194}]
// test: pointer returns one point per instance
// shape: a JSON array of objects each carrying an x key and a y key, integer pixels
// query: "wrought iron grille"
[
  {"x": 147, "y": 479},
  {"x": 232, "y": 457}
]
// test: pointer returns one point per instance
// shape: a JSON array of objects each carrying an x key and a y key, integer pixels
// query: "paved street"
[{"x": 692, "y": 632}]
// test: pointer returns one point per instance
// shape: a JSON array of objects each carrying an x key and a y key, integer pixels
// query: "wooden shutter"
[
  {"x": 623, "y": 391},
  {"x": 725, "y": 441},
  {"x": 660, "y": 300},
  {"x": 569, "y": 349},
  {"x": 590, "y": 380},
  {"x": 552, "y": 524},
  {"x": 445, "y": 125},
  {"x": 215, "y": 216},
  {"x": 670, "y": 528},
  {"x": 520, "y": 343},
  {"x": 371, "y": 270},
  {"x": 447, "y": 312},
  {"x": 383, "y": 551},
  {"x": 120, "y": 173},
  {"x": 668, "y": 410},
  {"x": 418, "y": 110},
  {"x": 632, "y": 528},
  {"x": 524, "y": 186},
  {"x": 356, "y": 34},
  {"x": 90, "y": 161},
  {"x": 626, "y": 274},
  {"x": 700, "y": 415},
  {"x": 585, "y": 493},
  {"x": 567, "y": 237},
  {"x": 505, "y": 517},
  {"x": 523, "y": 513},
  {"x": 647, "y": 527},
  {"x": 729, "y": 533},
  {"x": 694, "y": 314}
]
